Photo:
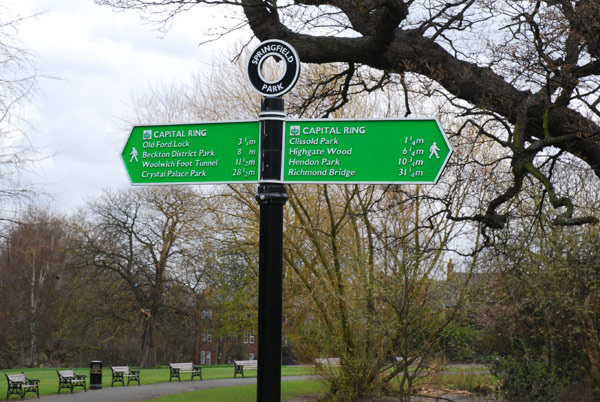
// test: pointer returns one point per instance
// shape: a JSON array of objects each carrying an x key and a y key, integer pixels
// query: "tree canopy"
[{"x": 524, "y": 74}]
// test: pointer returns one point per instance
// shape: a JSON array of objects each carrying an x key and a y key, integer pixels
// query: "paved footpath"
[{"x": 135, "y": 393}]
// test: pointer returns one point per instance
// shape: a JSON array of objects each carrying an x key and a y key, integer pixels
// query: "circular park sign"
[{"x": 281, "y": 51}]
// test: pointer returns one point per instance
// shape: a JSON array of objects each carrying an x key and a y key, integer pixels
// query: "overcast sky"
[{"x": 99, "y": 59}]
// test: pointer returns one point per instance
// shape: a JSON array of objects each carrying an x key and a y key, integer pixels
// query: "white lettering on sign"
[
  {"x": 178, "y": 133},
  {"x": 156, "y": 154},
  {"x": 177, "y": 173},
  {"x": 198, "y": 173},
  {"x": 272, "y": 88},
  {"x": 320, "y": 130},
  {"x": 169, "y": 134},
  {"x": 337, "y": 151},
  {"x": 306, "y": 152},
  {"x": 207, "y": 163},
  {"x": 342, "y": 172},
  {"x": 329, "y": 141},
  {"x": 181, "y": 163},
  {"x": 302, "y": 172},
  {"x": 302, "y": 162},
  {"x": 354, "y": 130},
  {"x": 333, "y": 130},
  {"x": 197, "y": 133},
  {"x": 330, "y": 162},
  {"x": 299, "y": 141},
  {"x": 147, "y": 164},
  {"x": 152, "y": 175},
  {"x": 184, "y": 154},
  {"x": 276, "y": 48}
]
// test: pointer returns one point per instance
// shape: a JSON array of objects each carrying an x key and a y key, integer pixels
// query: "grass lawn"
[
  {"x": 483, "y": 383},
  {"x": 246, "y": 393},
  {"x": 49, "y": 378}
]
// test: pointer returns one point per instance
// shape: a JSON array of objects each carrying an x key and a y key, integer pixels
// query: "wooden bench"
[
  {"x": 119, "y": 373},
  {"x": 240, "y": 365},
  {"x": 328, "y": 362},
  {"x": 68, "y": 379},
  {"x": 177, "y": 368},
  {"x": 19, "y": 384}
]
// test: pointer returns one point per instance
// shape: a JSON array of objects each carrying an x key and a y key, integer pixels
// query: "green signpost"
[
  {"x": 223, "y": 152},
  {"x": 364, "y": 151},
  {"x": 315, "y": 151},
  {"x": 293, "y": 151}
]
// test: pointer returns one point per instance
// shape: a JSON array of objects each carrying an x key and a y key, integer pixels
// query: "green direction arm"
[
  {"x": 226, "y": 152},
  {"x": 364, "y": 151}
]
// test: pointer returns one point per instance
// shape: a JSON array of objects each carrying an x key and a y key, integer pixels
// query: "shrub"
[
  {"x": 525, "y": 378},
  {"x": 461, "y": 344}
]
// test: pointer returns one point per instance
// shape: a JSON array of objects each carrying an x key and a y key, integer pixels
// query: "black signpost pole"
[{"x": 271, "y": 198}]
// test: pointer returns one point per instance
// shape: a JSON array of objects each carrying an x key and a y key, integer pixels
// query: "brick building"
[{"x": 212, "y": 348}]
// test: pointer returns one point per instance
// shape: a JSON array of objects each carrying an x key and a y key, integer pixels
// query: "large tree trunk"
[
  {"x": 32, "y": 323},
  {"x": 33, "y": 339},
  {"x": 148, "y": 350},
  {"x": 590, "y": 316}
]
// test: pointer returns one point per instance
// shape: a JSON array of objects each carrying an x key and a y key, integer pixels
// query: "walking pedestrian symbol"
[
  {"x": 434, "y": 151},
  {"x": 134, "y": 155}
]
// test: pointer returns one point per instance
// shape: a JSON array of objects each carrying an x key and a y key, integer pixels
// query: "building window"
[
  {"x": 245, "y": 336},
  {"x": 252, "y": 338},
  {"x": 206, "y": 314},
  {"x": 205, "y": 357},
  {"x": 250, "y": 356}
]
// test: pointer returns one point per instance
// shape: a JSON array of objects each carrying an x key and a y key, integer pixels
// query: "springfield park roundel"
[{"x": 281, "y": 51}]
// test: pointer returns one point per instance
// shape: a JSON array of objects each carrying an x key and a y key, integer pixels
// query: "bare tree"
[
  {"x": 31, "y": 262},
  {"x": 18, "y": 83},
  {"x": 146, "y": 239}
]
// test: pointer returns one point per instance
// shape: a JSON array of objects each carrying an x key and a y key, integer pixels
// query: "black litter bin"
[{"x": 96, "y": 374}]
